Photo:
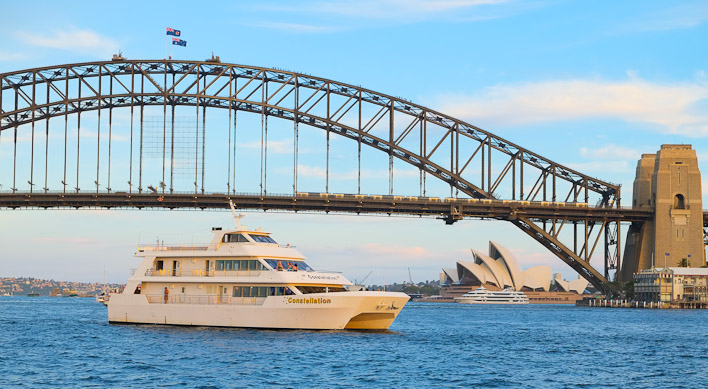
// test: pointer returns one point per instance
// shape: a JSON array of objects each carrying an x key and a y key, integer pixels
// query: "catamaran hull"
[{"x": 317, "y": 311}]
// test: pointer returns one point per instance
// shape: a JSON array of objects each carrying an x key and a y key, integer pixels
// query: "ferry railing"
[
  {"x": 143, "y": 248},
  {"x": 204, "y": 299},
  {"x": 202, "y": 273}
]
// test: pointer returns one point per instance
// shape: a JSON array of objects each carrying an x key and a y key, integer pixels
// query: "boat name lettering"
[
  {"x": 322, "y": 277},
  {"x": 313, "y": 300}
]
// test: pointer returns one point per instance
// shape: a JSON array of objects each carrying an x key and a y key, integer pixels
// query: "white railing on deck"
[
  {"x": 201, "y": 273},
  {"x": 203, "y": 299}
]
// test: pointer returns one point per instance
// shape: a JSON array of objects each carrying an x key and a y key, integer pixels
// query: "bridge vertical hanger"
[
  {"x": 228, "y": 150},
  {"x": 262, "y": 134},
  {"x": 142, "y": 119},
  {"x": 196, "y": 135},
  {"x": 204, "y": 111},
  {"x": 78, "y": 136},
  {"x": 358, "y": 140},
  {"x": 390, "y": 150},
  {"x": 98, "y": 135},
  {"x": 328, "y": 132},
  {"x": 164, "y": 126},
  {"x": 132, "y": 121},
  {"x": 457, "y": 156},
  {"x": 296, "y": 120},
  {"x": 265, "y": 129},
  {"x": 172, "y": 137},
  {"x": 110, "y": 133},
  {"x": 46, "y": 142},
  {"x": 14, "y": 157},
  {"x": 235, "y": 106},
  {"x": 425, "y": 151},
  {"x": 31, "y": 181}
]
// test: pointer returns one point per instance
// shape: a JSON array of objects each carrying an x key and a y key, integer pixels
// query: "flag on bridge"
[
  {"x": 179, "y": 42},
  {"x": 173, "y": 32}
]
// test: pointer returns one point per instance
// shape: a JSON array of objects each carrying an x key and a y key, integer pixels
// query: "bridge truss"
[{"x": 488, "y": 177}]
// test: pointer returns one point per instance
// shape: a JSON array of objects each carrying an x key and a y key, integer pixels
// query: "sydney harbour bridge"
[{"x": 196, "y": 134}]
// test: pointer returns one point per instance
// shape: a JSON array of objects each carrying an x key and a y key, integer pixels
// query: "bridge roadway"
[{"x": 449, "y": 209}]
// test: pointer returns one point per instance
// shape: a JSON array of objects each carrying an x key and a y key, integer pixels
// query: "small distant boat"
[
  {"x": 33, "y": 294},
  {"x": 102, "y": 298},
  {"x": 484, "y": 296}
]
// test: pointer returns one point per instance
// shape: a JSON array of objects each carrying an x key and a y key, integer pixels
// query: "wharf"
[{"x": 617, "y": 303}]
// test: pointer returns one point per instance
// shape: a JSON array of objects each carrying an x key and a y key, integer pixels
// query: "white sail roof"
[
  {"x": 496, "y": 269},
  {"x": 506, "y": 259},
  {"x": 451, "y": 274},
  {"x": 476, "y": 271}
]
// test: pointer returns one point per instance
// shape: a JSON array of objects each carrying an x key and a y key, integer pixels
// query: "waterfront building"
[{"x": 672, "y": 285}]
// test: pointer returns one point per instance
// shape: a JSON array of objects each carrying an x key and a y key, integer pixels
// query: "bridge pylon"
[{"x": 668, "y": 183}]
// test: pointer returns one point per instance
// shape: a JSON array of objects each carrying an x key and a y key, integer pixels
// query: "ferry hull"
[{"x": 320, "y": 311}]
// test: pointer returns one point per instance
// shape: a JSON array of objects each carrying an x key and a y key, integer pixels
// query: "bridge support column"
[{"x": 670, "y": 183}]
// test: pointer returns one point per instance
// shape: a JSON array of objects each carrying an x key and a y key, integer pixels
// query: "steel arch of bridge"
[{"x": 40, "y": 94}]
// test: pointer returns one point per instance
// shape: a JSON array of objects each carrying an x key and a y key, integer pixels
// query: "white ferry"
[
  {"x": 243, "y": 278},
  {"x": 484, "y": 296}
]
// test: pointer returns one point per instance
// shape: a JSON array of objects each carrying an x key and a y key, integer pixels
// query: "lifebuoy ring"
[{"x": 160, "y": 198}]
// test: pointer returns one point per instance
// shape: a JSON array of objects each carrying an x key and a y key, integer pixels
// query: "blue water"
[{"x": 67, "y": 342}]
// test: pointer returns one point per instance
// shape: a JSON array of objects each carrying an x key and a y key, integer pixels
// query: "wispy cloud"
[
  {"x": 76, "y": 40},
  {"x": 611, "y": 151},
  {"x": 668, "y": 107},
  {"x": 676, "y": 17},
  {"x": 396, "y": 9},
  {"x": 343, "y": 15},
  {"x": 8, "y": 56},
  {"x": 293, "y": 27},
  {"x": 608, "y": 158}
]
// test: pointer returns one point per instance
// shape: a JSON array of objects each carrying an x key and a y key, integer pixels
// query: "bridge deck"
[{"x": 391, "y": 205}]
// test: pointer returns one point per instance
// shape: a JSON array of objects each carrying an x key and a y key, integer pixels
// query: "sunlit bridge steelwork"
[{"x": 195, "y": 134}]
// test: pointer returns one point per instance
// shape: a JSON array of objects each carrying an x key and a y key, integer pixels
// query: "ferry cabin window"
[
  {"x": 235, "y": 264},
  {"x": 263, "y": 239},
  {"x": 257, "y": 291},
  {"x": 320, "y": 289},
  {"x": 301, "y": 266},
  {"x": 235, "y": 238}
]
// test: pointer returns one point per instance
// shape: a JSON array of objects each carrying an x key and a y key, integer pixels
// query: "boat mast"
[{"x": 237, "y": 216}]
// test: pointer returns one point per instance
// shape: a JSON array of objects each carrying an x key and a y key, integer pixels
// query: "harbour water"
[{"x": 67, "y": 342}]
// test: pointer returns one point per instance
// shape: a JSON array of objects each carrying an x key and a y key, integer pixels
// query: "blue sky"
[{"x": 591, "y": 85}]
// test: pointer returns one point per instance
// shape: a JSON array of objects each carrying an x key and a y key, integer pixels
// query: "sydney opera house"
[{"x": 500, "y": 270}]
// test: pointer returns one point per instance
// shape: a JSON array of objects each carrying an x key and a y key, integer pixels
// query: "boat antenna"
[{"x": 237, "y": 216}]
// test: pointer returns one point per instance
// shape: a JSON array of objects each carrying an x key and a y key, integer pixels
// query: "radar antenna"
[{"x": 237, "y": 217}]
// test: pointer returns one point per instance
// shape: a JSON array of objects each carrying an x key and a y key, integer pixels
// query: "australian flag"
[
  {"x": 179, "y": 42},
  {"x": 173, "y": 32}
]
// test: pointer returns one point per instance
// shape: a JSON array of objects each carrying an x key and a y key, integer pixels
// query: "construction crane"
[{"x": 363, "y": 279}]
